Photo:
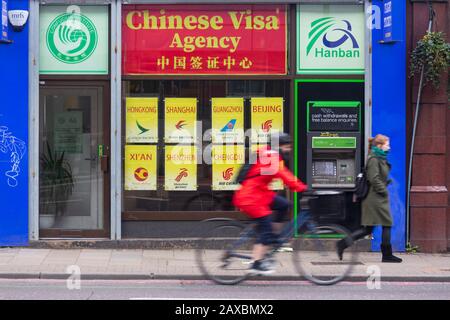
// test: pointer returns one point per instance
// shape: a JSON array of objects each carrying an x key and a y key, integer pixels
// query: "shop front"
[{"x": 144, "y": 111}]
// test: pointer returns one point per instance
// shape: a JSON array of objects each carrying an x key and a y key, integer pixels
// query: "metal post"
[
  {"x": 116, "y": 132},
  {"x": 33, "y": 122}
]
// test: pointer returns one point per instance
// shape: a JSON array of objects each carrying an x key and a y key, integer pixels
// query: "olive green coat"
[{"x": 375, "y": 207}]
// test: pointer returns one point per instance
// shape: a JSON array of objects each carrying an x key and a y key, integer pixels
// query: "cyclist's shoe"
[
  {"x": 285, "y": 248},
  {"x": 281, "y": 245},
  {"x": 261, "y": 267}
]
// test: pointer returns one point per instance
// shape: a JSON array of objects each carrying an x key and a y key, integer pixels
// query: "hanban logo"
[{"x": 323, "y": 29}]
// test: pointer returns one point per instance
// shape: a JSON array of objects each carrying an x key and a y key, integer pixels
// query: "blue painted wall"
[
  {"x": 14, "y": 136},
  {"x": 389, "y": 114}
]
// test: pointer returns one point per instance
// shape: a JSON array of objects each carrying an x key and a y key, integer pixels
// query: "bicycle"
[{"x": 224, "y": 254}]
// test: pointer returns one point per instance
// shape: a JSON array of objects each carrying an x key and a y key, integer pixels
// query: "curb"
[
  {"x": 61, "y": 276},
  {"x": 363, "y": 245}
]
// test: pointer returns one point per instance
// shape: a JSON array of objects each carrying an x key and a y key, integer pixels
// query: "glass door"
[{"x": 73, "y": 154}]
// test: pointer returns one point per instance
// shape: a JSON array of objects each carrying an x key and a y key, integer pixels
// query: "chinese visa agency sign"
[
  {"x": 330, "y": 39},
  {"x": 74, "y": 40},
  {"x": 198, "y": 39}
]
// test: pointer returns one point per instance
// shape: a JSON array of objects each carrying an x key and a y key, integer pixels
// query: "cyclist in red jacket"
[{"x": 256, "y": 200}]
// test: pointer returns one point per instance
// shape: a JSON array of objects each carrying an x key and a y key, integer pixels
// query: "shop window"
[{"x": 147, "y": 139}]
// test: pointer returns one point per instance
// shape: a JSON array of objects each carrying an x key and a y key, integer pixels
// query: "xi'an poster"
[
  {"x": 267, "y": 118},
  {"x": 180, "y": 168},
  {"x": 226, "y": 162},
  {"x": 227, "y": 120},
  {"x": 140, "y": 167},
  {"x": 181, "y": 120},
  {"x": 142, "y": 120}
]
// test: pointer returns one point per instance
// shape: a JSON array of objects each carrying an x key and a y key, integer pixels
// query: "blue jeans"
[{"x": 266, "y": 236}]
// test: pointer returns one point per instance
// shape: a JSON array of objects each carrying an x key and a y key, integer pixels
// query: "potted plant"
[
  {"x": 432, "y": 54},
  {"x": 56, "y": 186}
]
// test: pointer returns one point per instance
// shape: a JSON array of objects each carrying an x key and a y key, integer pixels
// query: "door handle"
[{"x": 90, "y": 159}]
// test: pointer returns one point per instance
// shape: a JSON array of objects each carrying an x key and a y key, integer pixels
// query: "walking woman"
[{"x": 375, "y": 207}]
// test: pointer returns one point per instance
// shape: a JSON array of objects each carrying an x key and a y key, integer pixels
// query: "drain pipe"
[{"x": 431, "y": 14}]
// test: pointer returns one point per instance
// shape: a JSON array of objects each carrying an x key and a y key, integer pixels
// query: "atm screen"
[{"x": 324, "y": 168}]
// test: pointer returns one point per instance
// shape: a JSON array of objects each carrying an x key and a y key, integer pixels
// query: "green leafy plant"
[
  {"x": 56, "y": 182},
  {"x": 411, "y": 249},
  {"x": 433, "y": 54}
]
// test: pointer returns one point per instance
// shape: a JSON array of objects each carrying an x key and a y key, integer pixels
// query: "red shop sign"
[{"x": 204, "y": 39}]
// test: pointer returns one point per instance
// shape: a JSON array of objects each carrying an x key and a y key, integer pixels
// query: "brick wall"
[{"x": 430, "y": 210}]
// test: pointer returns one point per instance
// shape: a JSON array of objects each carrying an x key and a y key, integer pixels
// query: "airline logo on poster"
[
  {"x": 141, "y": 129},
  {"x": 181, "y": 116},
  {"x": 141, "y": 174},
  {"x": 182, "y": 174},
  {"x": 267, "y": 118},
  {"x": 229, "y": 126},
  {"x": 180, "y": 124},
  {"x": 226, "y": 162},
  {"x": 142, "y": 120},
  {"x": 227, "y": 174},
  {"x": 331, "y": 39},
  {"x": 180, "y": 168},
  {"x": 267, "y": 125},
  {"x": 227, "y": 120},
  {"x": 140, "y": 167}
]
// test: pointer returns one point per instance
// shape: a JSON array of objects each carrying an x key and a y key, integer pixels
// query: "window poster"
[
  {"x": 68, "y": 132},
  {"x": 140, "y": 167},
  {"x": 142, "y": 120},
  {"x": 226, "y": 162},
  {"x": 180, "y": 168},
  {"x": 181, "y": 120},
  {"x": 227, "y": 120},
  {"x": 267, "y": 118}
]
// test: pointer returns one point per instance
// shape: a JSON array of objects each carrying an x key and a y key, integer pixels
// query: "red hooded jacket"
[{"x": 254, "y": 197}]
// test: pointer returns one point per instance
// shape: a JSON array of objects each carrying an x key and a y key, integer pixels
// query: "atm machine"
[
  {"x": 333, "y": 134},
  {"x": 333, "y": 161}
]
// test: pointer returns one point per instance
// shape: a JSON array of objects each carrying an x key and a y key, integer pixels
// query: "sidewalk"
[{"x": 114, "y": 264}]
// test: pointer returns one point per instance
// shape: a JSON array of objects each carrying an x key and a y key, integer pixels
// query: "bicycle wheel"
[
  {"x": 315, "y": 255},
  {"x": 225, "y": 250}
]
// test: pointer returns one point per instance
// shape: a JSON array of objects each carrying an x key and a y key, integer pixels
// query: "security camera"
[{"x": 18, "y": 19}]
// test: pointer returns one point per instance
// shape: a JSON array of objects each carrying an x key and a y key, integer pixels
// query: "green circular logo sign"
[{"x": 72, "y": 38}]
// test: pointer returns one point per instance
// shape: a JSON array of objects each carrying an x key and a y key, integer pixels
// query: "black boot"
[
  {"x": 341, "y": 245},
  {"x": 386, "y": 251}
]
